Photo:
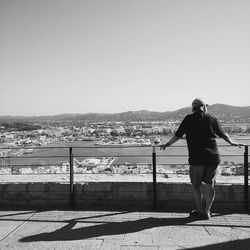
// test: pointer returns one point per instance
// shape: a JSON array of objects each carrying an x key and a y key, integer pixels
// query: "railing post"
[
  {"x": 154, "y": 178},
  {"x": 71, "y": 177},
  {"x": 246, "y": 178}
]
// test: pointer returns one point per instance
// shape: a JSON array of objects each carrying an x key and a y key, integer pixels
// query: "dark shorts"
[{"x": 202, "y": 173}]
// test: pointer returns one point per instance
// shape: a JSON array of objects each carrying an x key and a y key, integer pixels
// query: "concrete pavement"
[{"x": 125, "y": 230}]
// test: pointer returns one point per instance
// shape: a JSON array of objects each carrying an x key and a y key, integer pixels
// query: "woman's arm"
[
  {"x": 227, "y": 138},
  {"x": 170, "y": 142}
]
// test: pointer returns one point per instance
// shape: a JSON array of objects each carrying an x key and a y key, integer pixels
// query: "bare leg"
[
  {"x": 197, "y": 197},
  {"x": 209, "y": 194}
]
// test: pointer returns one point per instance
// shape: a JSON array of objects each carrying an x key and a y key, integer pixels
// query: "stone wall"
[{"x": 122, "y": 195}]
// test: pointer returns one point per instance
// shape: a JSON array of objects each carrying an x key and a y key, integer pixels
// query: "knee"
[
  {"x": 210, "y": 185},
  {"x": 210, "y": 188}
]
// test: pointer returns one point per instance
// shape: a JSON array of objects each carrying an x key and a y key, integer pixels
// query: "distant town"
[
  {"x": 103, "y": 133},
  {"x": 19, "y": 134}
]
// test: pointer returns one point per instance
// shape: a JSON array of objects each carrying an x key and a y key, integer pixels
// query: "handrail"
[{"x": 107, "y": 146}]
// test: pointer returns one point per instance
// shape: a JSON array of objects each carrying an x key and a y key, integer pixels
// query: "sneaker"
[{"x": 196, "y": 214}]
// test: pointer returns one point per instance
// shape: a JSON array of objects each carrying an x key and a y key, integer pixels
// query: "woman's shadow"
[{"x": 68, "y": 233}]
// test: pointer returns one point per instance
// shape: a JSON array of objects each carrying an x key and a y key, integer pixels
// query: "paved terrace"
[{"x": 67, "y": 229}]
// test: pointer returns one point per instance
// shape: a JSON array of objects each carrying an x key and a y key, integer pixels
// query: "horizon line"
[{"x": 104, "y": 113}]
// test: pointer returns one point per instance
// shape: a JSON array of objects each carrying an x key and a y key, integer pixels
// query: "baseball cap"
[{"x": 197, "y": 103}]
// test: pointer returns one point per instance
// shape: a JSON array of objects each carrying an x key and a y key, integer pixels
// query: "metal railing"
[{"x": 153, "y": 161}]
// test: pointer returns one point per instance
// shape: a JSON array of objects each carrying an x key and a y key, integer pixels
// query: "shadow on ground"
[
  {"x": 229, "y": 245},
  {"x": 68, "y": 232},
  {"x": 104, "y": 228}
]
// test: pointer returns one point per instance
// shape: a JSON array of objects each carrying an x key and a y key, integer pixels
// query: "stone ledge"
[{"x": 121, "y": 194}]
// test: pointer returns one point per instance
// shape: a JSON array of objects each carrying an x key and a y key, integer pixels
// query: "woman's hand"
[
  {"x": 163, "y": 146},
  {"x": 236, "y": 144}
]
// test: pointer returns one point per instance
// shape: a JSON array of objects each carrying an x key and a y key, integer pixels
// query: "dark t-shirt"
[{"x": 201, "y": 129}]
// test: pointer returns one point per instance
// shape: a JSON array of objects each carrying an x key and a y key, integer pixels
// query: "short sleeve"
[{"x": 182, "y": 128}]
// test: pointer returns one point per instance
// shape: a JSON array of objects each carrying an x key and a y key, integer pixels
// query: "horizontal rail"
[
  {"x": 66, "y": 147},
  {"x": 107, "y": 146},
  {"x": 102, "y": 156},
  {"x": 44, "y": 156},
  {"x": 104, "y": 164},
  {"x": 66, "y": 173},
  {"x": 30, "y": 174}
]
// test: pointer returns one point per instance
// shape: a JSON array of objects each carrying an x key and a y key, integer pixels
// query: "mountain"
[{"x": 221, "y": 111}]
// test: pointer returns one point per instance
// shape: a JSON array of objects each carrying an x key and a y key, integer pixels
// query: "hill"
[{"x": 222, "y": 111}]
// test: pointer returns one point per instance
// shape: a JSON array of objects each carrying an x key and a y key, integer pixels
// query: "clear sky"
[{"x": 109, "y": 56}]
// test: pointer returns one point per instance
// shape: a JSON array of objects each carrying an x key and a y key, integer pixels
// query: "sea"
[{"x": 57, "y": 153}]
